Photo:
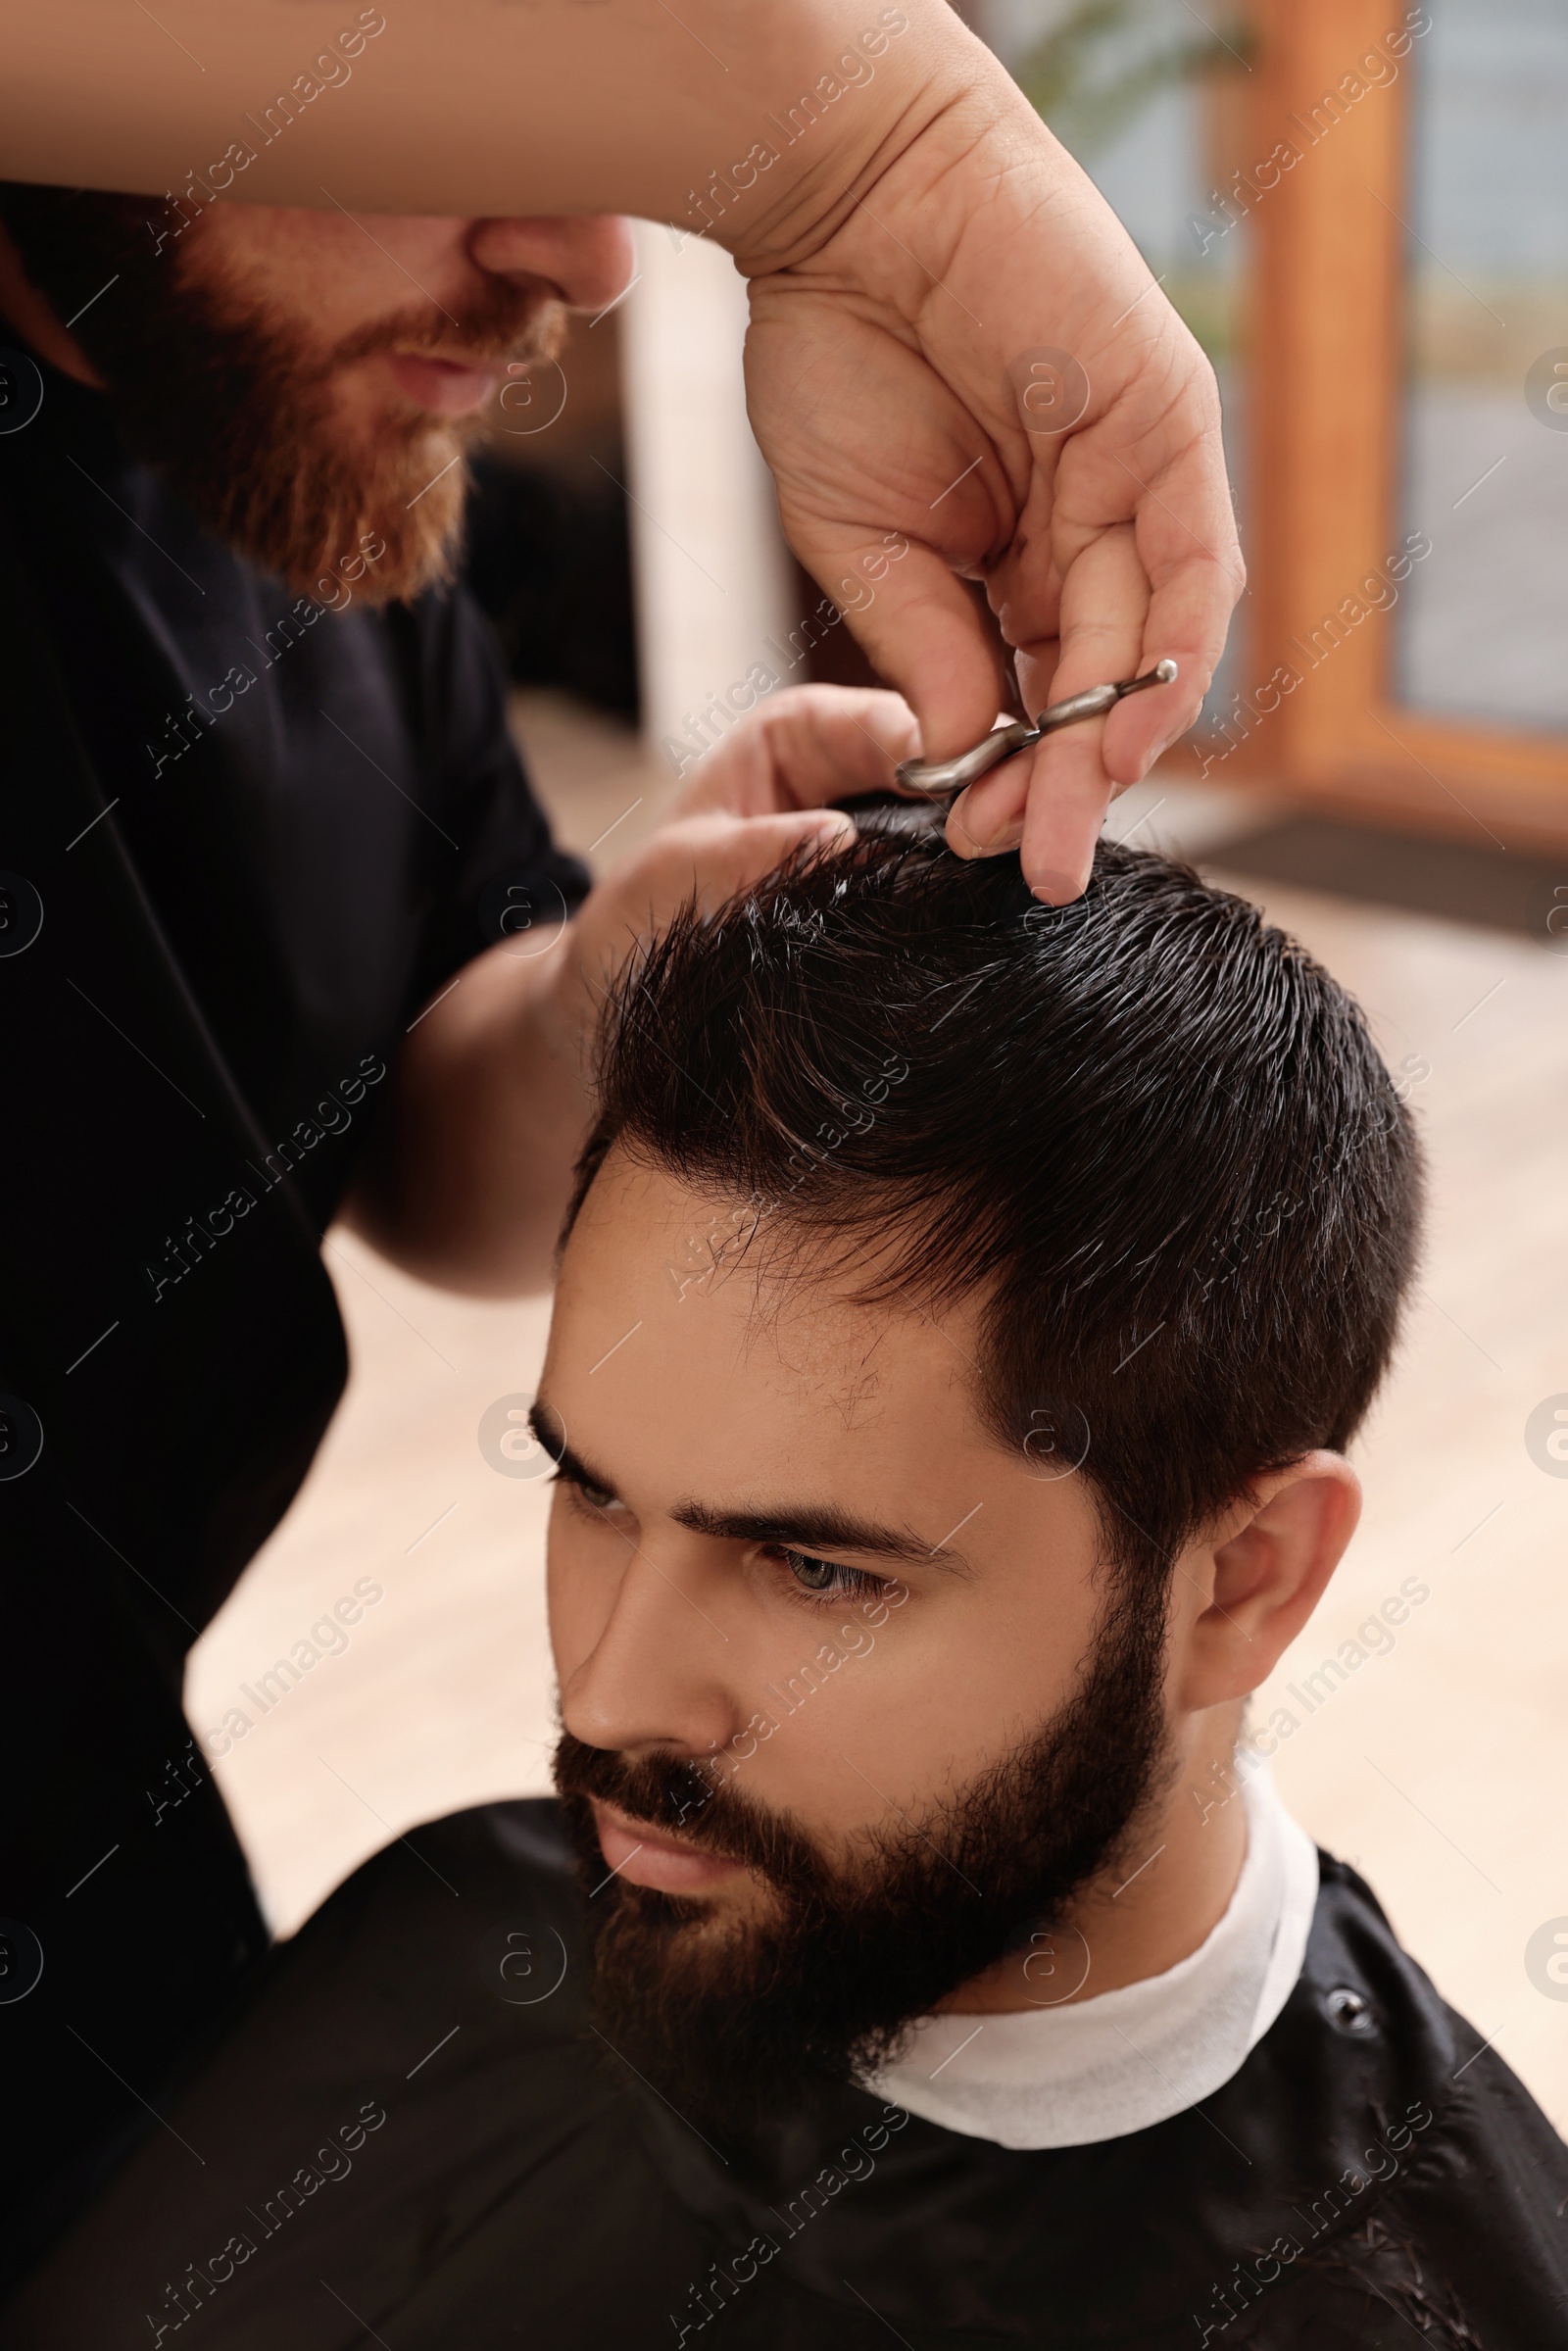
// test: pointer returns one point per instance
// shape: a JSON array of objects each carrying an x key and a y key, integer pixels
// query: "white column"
[{"x": 709, "y": 562}]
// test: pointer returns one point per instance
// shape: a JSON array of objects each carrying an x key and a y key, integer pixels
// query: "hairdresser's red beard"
[
  {"x": 296, "y": 456},
  {"x": 314, "y": 498}
]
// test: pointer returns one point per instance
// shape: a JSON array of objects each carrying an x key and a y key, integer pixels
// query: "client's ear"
[{"x": 1259, "y": 1573}]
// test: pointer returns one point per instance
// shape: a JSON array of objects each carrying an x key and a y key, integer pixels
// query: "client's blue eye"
[
  {"x": 812, "y": 1574},
  {"x": 597, "y": 1498},
  {"x": 825, "y": 1578}
]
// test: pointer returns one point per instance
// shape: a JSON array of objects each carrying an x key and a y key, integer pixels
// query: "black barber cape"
[
  {"x": 414, "y": 2138},
  {"x": 220, "y": 903}
]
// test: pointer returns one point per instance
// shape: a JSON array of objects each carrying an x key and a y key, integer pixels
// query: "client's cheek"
[
  {"x": 831, "y": 1788},
  {"x": 746, "y": 1903}
]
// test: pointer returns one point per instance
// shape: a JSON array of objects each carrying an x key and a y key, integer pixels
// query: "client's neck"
[{"x": 1168, "y": 1892}]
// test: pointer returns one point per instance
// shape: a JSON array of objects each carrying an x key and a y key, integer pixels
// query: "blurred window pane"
[
  {"x": 1150, "y": 98},
  {"x": 1483, "y": 621}
]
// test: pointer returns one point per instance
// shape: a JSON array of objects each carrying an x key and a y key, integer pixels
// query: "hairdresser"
[{"x": 283, "y": 935}]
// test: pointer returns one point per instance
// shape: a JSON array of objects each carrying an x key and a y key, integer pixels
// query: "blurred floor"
[{"x": 1436, "y": 1766}]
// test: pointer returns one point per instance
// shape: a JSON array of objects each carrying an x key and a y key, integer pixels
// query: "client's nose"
[{"x": 649, "y": 1682}]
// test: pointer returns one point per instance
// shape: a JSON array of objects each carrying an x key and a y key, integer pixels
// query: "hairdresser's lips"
[
  {"x": 648, "y": 1856},
  {"x": 446, "y": 387}
]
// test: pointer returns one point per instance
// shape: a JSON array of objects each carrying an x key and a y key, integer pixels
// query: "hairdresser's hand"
[
  {"x": 878, "y": 372},
  {"x": 754, "y": 800}
]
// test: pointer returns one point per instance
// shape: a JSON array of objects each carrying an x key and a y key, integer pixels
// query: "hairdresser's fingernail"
[
  {"x": 1056, "y": 889},
  {"x": 966, "y": 843},
  {"x": 956, "y": 833}
]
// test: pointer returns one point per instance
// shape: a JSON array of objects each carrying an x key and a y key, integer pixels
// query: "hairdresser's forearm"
[
  {"x": 468, "y": 107},
  {"x": 469, "y": 1177}
]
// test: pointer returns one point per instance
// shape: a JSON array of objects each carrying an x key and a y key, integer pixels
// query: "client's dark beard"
[
  {"x": 733, "y": 2026},
  {"x": 210, "y": 390}
]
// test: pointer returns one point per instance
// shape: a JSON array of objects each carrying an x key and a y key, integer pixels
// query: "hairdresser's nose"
[
  {"x": 651, "y": 1679},
  {"x": 588, "y": 260}
]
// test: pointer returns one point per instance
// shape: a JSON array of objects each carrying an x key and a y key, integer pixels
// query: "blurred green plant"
[{"x": 1098, "y": 66}]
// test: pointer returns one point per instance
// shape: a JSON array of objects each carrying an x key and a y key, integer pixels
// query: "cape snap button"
[{"x": 1348, "y": 2012}]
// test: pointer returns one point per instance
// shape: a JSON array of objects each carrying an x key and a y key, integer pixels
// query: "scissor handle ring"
[{"x": 941, "y": 779}]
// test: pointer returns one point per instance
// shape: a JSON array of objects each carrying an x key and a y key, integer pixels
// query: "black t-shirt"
[{"x": 243, "y": 840}]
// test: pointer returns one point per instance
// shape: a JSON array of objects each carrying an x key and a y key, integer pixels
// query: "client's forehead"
[{"x": 672, "y": 1274}]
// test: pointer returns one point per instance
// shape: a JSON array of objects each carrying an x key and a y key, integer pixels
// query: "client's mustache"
[{"x": 675, "y": 1793}]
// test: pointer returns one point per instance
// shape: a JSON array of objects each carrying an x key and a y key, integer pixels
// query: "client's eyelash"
[{"x": 848, "y": 1583}]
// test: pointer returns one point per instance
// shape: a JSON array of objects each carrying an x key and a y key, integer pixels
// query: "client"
[{"x": 964, "y": 1311}]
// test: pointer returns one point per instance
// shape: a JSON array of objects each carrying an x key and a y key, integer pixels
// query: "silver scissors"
[{"x": 941, "y": 779}]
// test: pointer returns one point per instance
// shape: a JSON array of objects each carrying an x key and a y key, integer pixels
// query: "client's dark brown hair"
[{"x": 1147, "y": 1131}]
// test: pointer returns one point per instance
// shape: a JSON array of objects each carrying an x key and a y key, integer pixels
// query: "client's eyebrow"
[
  {"x": 817, "y": 1527},
  {"x": 802, "y": 1525}
]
